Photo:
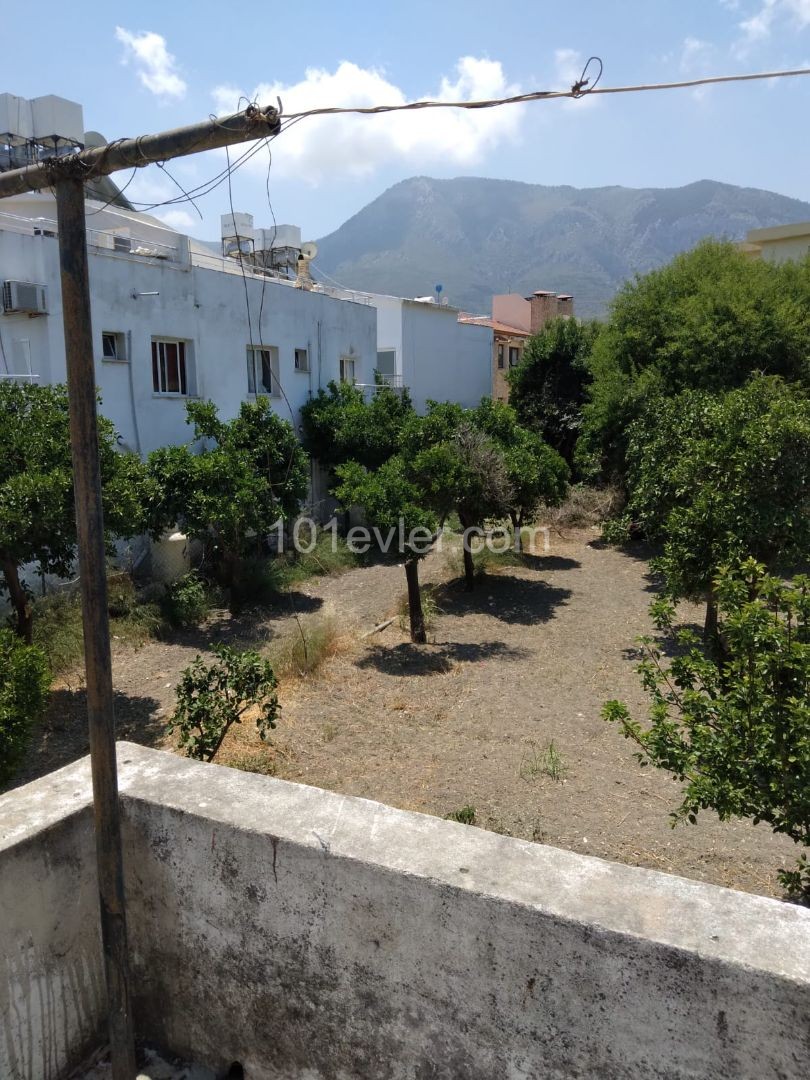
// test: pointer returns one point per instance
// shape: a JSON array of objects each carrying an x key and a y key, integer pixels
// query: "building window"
[
  {"x": 113, "y": 346},
  {"x": 262, "y": 369},
  {"x": 301, "y": 360},
  {"x": 500, "y": 356},
  {"x": 387, "y": 366},
  {"x": 169, "y": 367},
  {"x": 347, "y": 369},
  {"x": 514, "y": 355}
]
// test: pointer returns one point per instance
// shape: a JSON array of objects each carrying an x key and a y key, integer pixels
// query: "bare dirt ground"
[{"x": 526, "y": 660}]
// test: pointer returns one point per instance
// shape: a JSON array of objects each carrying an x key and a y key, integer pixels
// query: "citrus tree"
[
  {"x": 406, "y": 528},
  {"x": 718, "y": 477},
  {"x": 708, "y": 320},
  {"x": 250, "y": 472},
  {"x": 735, "y": 732},
  {"x": 548, "y": 388},
  {"x": 37, "y": 507},
  {"x": 341, "y": 424},
  {"x": 536, "y": 473},
  {"x": 211, "y": 698}
]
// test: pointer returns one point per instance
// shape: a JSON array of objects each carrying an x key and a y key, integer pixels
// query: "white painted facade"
[
  {"x": 148, "y": 284},
  {"x": 436, "y": 357}
]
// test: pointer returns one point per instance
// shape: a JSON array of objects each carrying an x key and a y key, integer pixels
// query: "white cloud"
[
  {"x": 695, "y": 55},
  {"x": 320, "y": 147},
  {"x": 154, "y": 63},
  {"x": 792, "y": 14}
]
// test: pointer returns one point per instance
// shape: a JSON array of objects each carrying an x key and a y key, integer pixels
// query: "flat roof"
[{"x": 778, "y": 232}]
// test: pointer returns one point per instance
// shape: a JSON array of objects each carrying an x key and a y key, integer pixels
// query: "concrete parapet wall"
[{"x": 316, "y": 936}]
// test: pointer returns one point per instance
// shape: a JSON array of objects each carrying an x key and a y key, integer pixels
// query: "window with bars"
[
  {"x": 169, "y": 374},
  {"x": 262, "y": 370}
]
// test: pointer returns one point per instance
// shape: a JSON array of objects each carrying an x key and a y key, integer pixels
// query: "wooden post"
[
  {"x": 67, "y": 175},
  {"x": 93, "y": 574}
]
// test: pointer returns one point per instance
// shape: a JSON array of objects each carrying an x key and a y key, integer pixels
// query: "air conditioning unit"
[{"x": 24, "y": 297}]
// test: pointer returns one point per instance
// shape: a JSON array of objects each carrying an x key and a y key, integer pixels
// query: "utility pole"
[{"x": 67, "y": 176}]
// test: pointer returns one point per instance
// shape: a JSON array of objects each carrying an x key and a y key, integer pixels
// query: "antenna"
[{"x": 309, "y": 250}]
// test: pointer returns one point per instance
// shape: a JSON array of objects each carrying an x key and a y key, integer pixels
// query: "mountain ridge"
[{"x": 477, "y": 236}]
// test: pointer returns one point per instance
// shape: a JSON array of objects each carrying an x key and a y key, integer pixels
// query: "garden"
[{"x": 578, "y": 619}]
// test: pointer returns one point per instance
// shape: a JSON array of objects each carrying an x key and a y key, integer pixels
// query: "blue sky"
[{"x": 152, "y": 66}]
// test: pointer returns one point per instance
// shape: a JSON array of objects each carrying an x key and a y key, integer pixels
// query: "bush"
[
  {"x": 735, "y": 731},
  {"x": 187, "y": 602},
  {"x": 211, "y": 699},
  {"x": 24, "y": 689}
]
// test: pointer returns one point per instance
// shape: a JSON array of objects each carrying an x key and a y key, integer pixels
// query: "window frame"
[
  {"x": 514, "y": 355},
  {"x": 119, "y": 345},
  {"x": 501, "y": 356},
  {"x": 298, "y": 353},
  {"x": 344, "y": 360},
  {"x": 254, "y": 353},
  {"x": 158, "y": 371}
]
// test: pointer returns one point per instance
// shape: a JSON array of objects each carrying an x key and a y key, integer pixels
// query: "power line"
[{"x": 576, "y": 92}]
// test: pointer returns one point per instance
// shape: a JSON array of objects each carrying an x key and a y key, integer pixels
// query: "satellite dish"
[{"x": 309, "y": 250}]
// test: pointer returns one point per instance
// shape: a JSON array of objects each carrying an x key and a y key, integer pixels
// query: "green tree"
[
  {"x": 549, "y": 387},
  {"x": 736, "y": 733},
  {"x": 536, "y": 473},
  {"x": 37, "y": 508},
  {"x": 250, "y": 473},
  {"x": 341, "y": 424},
  {"x": 463, "y": 470},
  {"x": 24, "y": 689},
  {"x": 718, "y": 477},
  {"x": 211, "y": 699},
  {"x": 707, "y": 321},
  {"x": 394, "y": 505}
]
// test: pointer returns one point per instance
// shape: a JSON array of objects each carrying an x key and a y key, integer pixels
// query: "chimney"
[
  {"x": 543, "y": 307},
  {"x": 565, "y": 305}
]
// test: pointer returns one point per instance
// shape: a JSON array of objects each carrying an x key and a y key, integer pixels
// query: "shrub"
[
  {"x": 735, "y": 731},
  {"x": 211, "y": 699},
  {"x": 24, "y": 688},
  {"x": 187, "y": 601}
]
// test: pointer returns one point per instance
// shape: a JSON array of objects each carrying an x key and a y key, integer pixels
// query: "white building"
[
  {"x": 172, "y": 320},
  {"x": 421, "y": 345}
]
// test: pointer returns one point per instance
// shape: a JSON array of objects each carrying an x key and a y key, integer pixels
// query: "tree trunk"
[
  {"x": 517, "y": 526},
  {"x": 469, "y": 567},
  {"x": 711, "y": 638},
  {"x": 417, "y": 618},
  {"x": 466, "y": 550},
  {"x": 19, "y": 599}
]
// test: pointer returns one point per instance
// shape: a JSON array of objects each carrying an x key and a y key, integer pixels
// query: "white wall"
[
  {"x": 443, "y": 359},
  {"x": 314, "y": 936},
  {"x": 199, "y": 304}
]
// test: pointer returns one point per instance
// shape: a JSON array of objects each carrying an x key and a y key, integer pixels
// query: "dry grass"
[
  {"x": 304, "y": 648},
  {"x": 430, "y": 609},
  {"x": 585, "y": 506}
]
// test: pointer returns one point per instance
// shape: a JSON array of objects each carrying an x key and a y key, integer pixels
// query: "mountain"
[{"x": 477, "y": 237}]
